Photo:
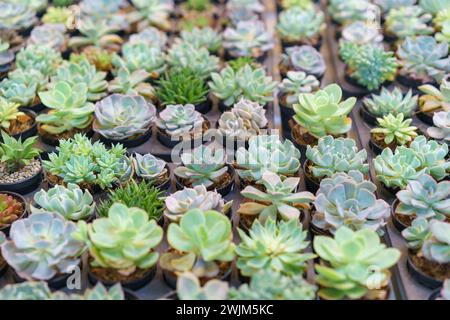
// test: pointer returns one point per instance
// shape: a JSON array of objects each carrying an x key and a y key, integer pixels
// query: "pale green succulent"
[
  {"x": 177, "y": 120},
  {"x": 433, "y": 156},
  {"x": 69, "y": 108},
  {"x": 297, "y": 24},
  {"x": 361, "y": 32},
  {"x": 436, "y": 247},
  {"x": 424, "y": 59},
  {"x": 203, "y": 38},
  {"x": 434, "y": 6},
  {"x": 118, "y": 117},
  {"x": 142, "y": 56},
  {"x": 416, "y": 234},
  {"x": 189, "y": 288},
  {"x": 71, "y": 202},
  {"x": 17, "y": 91},
  {"x": 150, "y": 36},
  {"x": 441, "y": 129},
  {"x": 253, "y": 84},
  {"x": 425, "y": 198},
  {"x": 280, "y": 198},
  {"x": 41, "y": 58},
  {"x": 96, "y": 33},
  {"x": 356, "y": 262},
  {"x": 391, "y": 102},
  {"x": 408, "y": 21},
  {"x": 239, "y": 14},
  {"x": 9, "y": 111},
  {"x": 149, "y": 167},
  {"x": 16, "y": 16},
  {"x": 304, "y": 4},
  {"x": 51, "y": 35},
  {"x": 132, "y": 83},
  {"x": 275, "y": 246},
  {"x": 267, "y": 153},
  {"x": 124, "y": 241},
  {"x": 387, "y": 5},
  {"x": 444, "y": 35},
  {"x": 107, "y": 11},
  {"x": 395, "y": 129},
  {"x": 346, "y": 199},
  {"x": 435, "y": 99},
  {"x": 199, "y": 255},
  {"x": 15, "y": 154},
  {"x": 332, "y": 155},
  {"x": 153, "y": 12},
  {"x": 348, "y": 11},
  {"x": 304, "y": 58},
  {"x": 296, "y": 83},
  {"x": 202, "y": 166},
  {"x": 322, "y": 113},
  {"x": 42, "y": 247}
]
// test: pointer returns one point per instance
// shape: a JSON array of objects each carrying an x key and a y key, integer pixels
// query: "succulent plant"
[
  {"x": 348, "y": 11},
  {"x": 369, "y": 64},
  {"x": 441, "y": 129},
  {"x": 280, "y": 198},
  {"x": 267, "y": 153},
  {"x": 244, "y": 120},
  {"x": 391, "y": 102},
  {"x": 239, "y": 14},
  {"x": 296, "y": 83},
  {"x": 150, "y": 36},
  {"x": 297, "y": 25},
  {"x": 416, "y": 234},
  {"x": 361, "y": 33},
  {"x": 356, "y": 262},
  {"x": 275, "y": 246},
  {"x": 153, "y": 12},
  {"x": 10, "y": 210},
  {"x": 408, "y": 21},
  {"x": 18, "y": 91},
  {"x": 252, "y": 5},
  {"x": 203, "y": 38},
  {"x": 198, "y": 197},
  {"x": 51, "y": 35},
  {"x": 199, "y": 255},
  {"x": 119, "y": 117},
  {"x": 433, "y": 156},
  {"x": 346, "y": 199},
  {"x": 59, "y": 15},
  {"x": 202, "y": 166},
  {"x": 124, "y": 241},
  {"x": 142, "y": 56},
  {"x": 35, "y": 5},
  {"x": 332, "y": 155},
  {"x": 189, "y": 288},
  {"x": 178, "y": 120},
  {"x": 304, "y": 58},
  {"x": 6, "y": 56},
  {"x": 269, "y": 285},
  {"x": 444, "y": 35},
  {"x": 322, "y": 113},
  {"x": 435, "y": 99},
  {"x": 9, "y": 111},
  {"x": 149, "y": 167},
  {"x": 434, "y": 6},
  {"x": 38, "y": 57},
  {"x": 387, "y": 5},
  {"x": 132, "y": 83},
  {"x": 425, "y": 198},
  {"x": 247, "y": 38},
  {"x": 16, "y": 16},
  {"x": 395, "y": 129},
  {"x": 71, "y": 202},
  {"x": 16, "y": 153},
  {"x": 424, "y": 59},
  {"x": 100, "y": 58},
  {"x": 105, "y": 11},
  {"x": 42, "y": 247},
  {"x": 97, "y": 33},
  {"x": 253, "y": 84},
  {"x": 436, "y": 247}
]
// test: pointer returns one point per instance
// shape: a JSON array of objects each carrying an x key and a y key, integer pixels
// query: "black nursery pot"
[
  {"x": 369, "y": 118},
  {"x": 55, "y": 283},
  {"x": 3, "y": 269},
  {"x": 204, "y": 107},
  {"x": 420, "y": 276},
  {"x": 374, "y": 146},
  {"x": 311, "y": 185},
  {"x": 171, "y": 279},
  {"x": 166, "y": 140},
  {"x": 435, "y": 294},
  {"x": 25, "y": 186},
  {"x": 54, "y": 142},
  {"x": 301, "y": 147},
  {"x": 412, "y": 83},
  {"x": 399, "y": 225},
  {"x": 132, "y": 284},
  {"x": 129, "y": 142},
  {"x": 351, "y": 87},
  {"x": 17, "y": 196},
  {"x": 286, "y": 115},
  {"x": 38, "y": 107},
  {"x": 425, "y": 117}
]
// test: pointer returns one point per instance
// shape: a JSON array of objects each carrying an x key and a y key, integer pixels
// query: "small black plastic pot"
[
  {"x": 54, "y": 142},
  {"x": 368, "y": 118},
  {"x": 25, "y": 186},
  {"x": 129, "y": 142},
  {"x": 420, "y": 276},
  {"x": 435, "y": 294},
  {"x": 425, "y": 117},
  {"x": 375, "y": 147},
  {"x": 166, "y": 140},
  {"x": 300, "y": 147},
  {"x": 132, "y": 285},
  {"x": 351, "y": 87},
  {"x": 286, "y": 115},
  {"x": 412, "y": 83},
  {"x": 24, "y": 214},
  {"x": 3, "y": 269},
  {"x": 38, "y": 107},
  {"x": 204, "y": 107},
  {"x": 55, "y": 283},
  {"x": 399, "y": 225},
  {"x": 311, "y": 185},
  {"x": 171, "y": 278},
  {"x": 165, "y": 185}
]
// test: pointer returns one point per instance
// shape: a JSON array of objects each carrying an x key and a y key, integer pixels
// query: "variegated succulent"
[
  {"x": 304, "y": 58},
  {"x": 435, "y": 99},
  {"x": 177, "y": 120}
]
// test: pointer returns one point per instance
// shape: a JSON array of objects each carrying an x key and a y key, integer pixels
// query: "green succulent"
[
  {"x": 16, "y": 153},
  {"x": 423, "y": 58},
  {"x": 297, "y": 24},
  {"x": 41, "y": 246},
  {"x": 203, "y": 38},
  {"x": 51, "y": 35},
  {"x": 395, "y": 129},
  {"x": 436, "y": 247},
  {"x": 41, "y": 58},
  {"x": 435, "y": 99},
  {"x": 198, "y": 5},
  {"x": 408, "y": 21},
  {"x": 362, "y": 33},
  {"x": 153, "y": 12},
  {"x": 142, "y": 56},
  {"x": 150, "y": 36},
  {"x": 356, "y": 263},
  {"x": 391, "y": 102},
  {"x": 34, "y": 5},
  {"x": 189, "y": 288},
  {"x": 416, "y": 234},
  {"x": 132, "y": 83},
  {"x": 370, "y": 65},
  {"x": 346, "y": 199},
  {"x": 149, "y": 167},
  {"x": 95, "y": 32},
  {"x": 9, "y": 111},
  {"x": 434, "y": 6},
  {"x": 280, "y": 198},
  {"x": 125, "y": 240},
  {"x": 322, "y": 113},
  {"x": 267, "y": 153},
  {"x": 16, "y": 16},
  {"x": 103, "y": 11},
  {"x": 441, "y": 129},
  {"x": 304, "y": 58},
  {"x": 178, "y": 120},
  {"x": 296, "y": 83},
  {"x": 387, "y": 5},
  {"x": 332, "y": 155},
  {"x": 59, "y": 15},
  {"x": 253, "y": 84},
  {"x": 199, "y": 255},
  {"x": 444, "y": 35},
  {"x": 69, "y": 108},
  {"x": 18, "y": 91},
  {"x": 29, "y": 78},
  {"x": 348, "y": 11},
  {"x": 433, "y": 156},
  {"x": 275, "y": 246}
]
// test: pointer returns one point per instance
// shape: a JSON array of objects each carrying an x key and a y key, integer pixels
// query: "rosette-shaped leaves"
[
  {"x": 38, "y": 57},
  {"x": 149, "y": 167},
  {"x": 434, "y": 98},
  {"x": 391, "y": 102},
  {"x": 132, "y": 83},
  {"x": 177, "y": 120},
  {"x": 408, "y": 21},
  {"x": 51, "y": 35},
  {"x": 395, "y": 129},
  {"x": 144, "y": 56},
  {"x": 306, "y": 59},
  {"x": 348, "y": 11},
  {"x": 296, "y": 83},
  {"x": 153, "y": 12},
  {"x": 297, "y": 24},
  {"x": 189, "y": 288},
  {"x": 416, "y": 234},
  {"x": 203, "y": 38},
  {"x": 16, "y": 16},
  {"x": 151, "y": 36},
  {"x": 360, "y": 32},
  {"x": 9, "y": 111},
  {"x": 433, "y": 155}
]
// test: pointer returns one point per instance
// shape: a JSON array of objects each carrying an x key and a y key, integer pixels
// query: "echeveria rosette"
[
  {"x": 408, "y": 21},
  {"x": 391, "y": 102},
  {"x": 395, "y": 129},
  {"x": 433, "y": 155},
  {"x": 387, "y": 5},
  {"x": 16, "y": 16},
  {"x": 296, "y": 24},
  {"x": 143, "y": 56},
  {"x": 347, "y": 11},
  {"x": 436, "y": 247},
  {"x": 37, "y": 57},
  {"x": 190, "y": 288},
  {"x": 441, "y": 129},
  {"x": 435, "y": 99},
  {"x": 203, "y": 38},
  {"x": 150, "y": 36},
  {"x": 296, "y": 83},
  {"x": 149, "y": 167},
  {"x": 179, "y": 119},
  {"x": 306, "y": 59},
  {"x": 416, "y": 234},
  {"x": 51, "y": 35}
]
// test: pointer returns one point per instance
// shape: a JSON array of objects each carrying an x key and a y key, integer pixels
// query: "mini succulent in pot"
[
  {"x": 360, "y": 32},
  {"x": 41, "y": 58},
  {"x": 70, "y": 202},
  {"x": 357, "y": 265},
  {"x": 203, "y": 38},
  {"x": 19, "y": 89},
  {"x": 408, "y": 21},
  {"x": 332, "y": 155},
  {"x": 441, "y": 129},
  {"x": 391, "y": 102},
  {"x": 275, "y": 246},
  {"x": 150, "y": 36},
  {"x": 96, "y": 33},
  {"x": 10, "y": 115},
  {"x": 296, "y": 83},
  {"x": 435, "y": 99},
  {"x": 394, "y": 131},
  {"x": 150, "y": 168},
  {"x": 100, "y": 58},
  {"x": 47, "y": 250},
  {"x": 6, "y": 56},
  {"x": 303, "y": 58},
  {"x": 189, "y": 288},
  {"x": 348, "y": 11},
  {"x": 416, "y": 234},
  {"x": 16, "y": 16},
  {"x": 120, "y": 117},
  {"x": 59, "y": 15},
  {"x": 132, "y": 83},
  {"x": 51, "y": 35},
  {"x": 346, "y": 199},
  {"x": 178, "y": 120},
  {"x": 11, "y": 209},
  {"x": 154, "y": 12}
]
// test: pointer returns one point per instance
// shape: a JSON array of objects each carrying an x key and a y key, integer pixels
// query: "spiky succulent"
[
  {"x": 279, "y": 198},
  {"x": 441, "y": 129},
  {"x": 435, "y": 99},
  {"x": 436, "y": 246},
  {"x": 416, "y": 234},
  {"x": 96, "y": 33},
  {"x": 251, "y": 83},
  {"x": 370, "y": 65},
  {"x": 203, "y": 38},
  {"x": 244, "y": 120},
  {"x": 42, "y": 247},
  {"x": 177, "y": 120},
  {"x": 425, "y": 198},
  {"x": 124, "y": 241},
  {"x": 296, "y": 83},
  {"x": 391, "y": 102},
  {"x": 247, "y": 38},
  {"x": 202, "y": 166},
  {"x": 9, "y": 111},
  {"x": 275, "y": 246},
  {"x": 150, "y": 36},
  {"x": 71, "y": 202},
  {"x": 348, "y": 11},
  {"x": 51, "y": 35},
  {"x": 356, "y": 263},
  {"x": 16, "y": 153},
  {"x": 434, "y": 6},
  {"x": 6, "y": 56},
  {"x": 16, "y": 16},
  {"x": 424, "y": 59},
  {"x": 142, "y": 56},
  {"x": 304, "y": 58},
  {"x": 199, "y": 255},
  {"x": 119, "y": 117},
  {"x": 346, "y": 199},
  {"x": 38, "y": 57},
  {"x": 132, "y": 83},
  {"x": 267, "y": 153},
  {"x": 332, "y": 155},
  {"x": 10, "y": 209},
  {"x": 395, "y": 129},
  {"x": 149, "y": 167},
  {"x": 297, "y": 25},
  {"x": 322, "y": 113},
  {"x": 189, "y": 288},
  {"x": 153, "y": 12},
  {"x": 408, "y": 21},
  {"x": 387, "y": 5}
]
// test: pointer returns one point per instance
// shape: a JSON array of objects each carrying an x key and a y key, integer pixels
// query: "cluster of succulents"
[{"x": 348, "y": 11}]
